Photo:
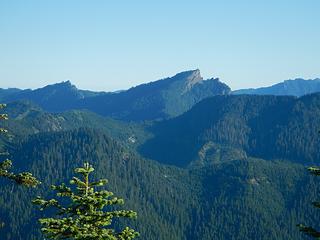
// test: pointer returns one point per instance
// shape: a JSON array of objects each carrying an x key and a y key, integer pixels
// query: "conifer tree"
[
  {"x": 310, "y": 231},
  {"x": 24, "y": 178},
  {"x": 81, "y": 211}
]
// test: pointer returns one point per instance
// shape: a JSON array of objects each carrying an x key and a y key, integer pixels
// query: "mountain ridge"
[
  {"x": 161, "y": 99},
  {"x": 292, "y": 87}
]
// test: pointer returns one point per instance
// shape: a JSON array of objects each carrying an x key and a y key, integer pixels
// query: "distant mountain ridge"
[
  {"x": 160, "y": 99},
  {"x": 155, "y": 100},
  {"x": 297, "y": 87},
  {"x": 55, "y": 97}
]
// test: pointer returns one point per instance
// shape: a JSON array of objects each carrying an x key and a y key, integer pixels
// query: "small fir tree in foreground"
[
  {"x": 81, "y": 212},
  {"x": 310, "y": 231}
]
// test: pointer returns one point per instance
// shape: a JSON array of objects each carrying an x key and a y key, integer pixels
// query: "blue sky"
[{"x": 116, "y": 44}]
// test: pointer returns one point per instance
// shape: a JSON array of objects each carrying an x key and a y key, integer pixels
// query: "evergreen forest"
[{"x": 232, "y": 167}]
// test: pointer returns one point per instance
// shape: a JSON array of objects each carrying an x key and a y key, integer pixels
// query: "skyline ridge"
[{"x": 71, "y": 82}]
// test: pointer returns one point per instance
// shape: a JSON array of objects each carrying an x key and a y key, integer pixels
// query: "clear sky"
[{"x": 115, "y": 44}]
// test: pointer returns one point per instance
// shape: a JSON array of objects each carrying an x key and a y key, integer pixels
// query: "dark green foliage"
[
  {"x": 310, "y": 231},
  {"x": 85, "y": 216},
  {"x": 3, "y": 116},
  {"x": 223, "y": 194},
  {"x": 24, "y": 178},
  {"x": 29, "y": 119},
  {"x": 269, "y": 127},
  {"x": 218, "y": 201},
  {"x": 142, "y": 182}
]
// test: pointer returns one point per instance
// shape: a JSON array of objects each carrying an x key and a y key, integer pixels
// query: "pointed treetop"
[{"x": 82, "y": 214}]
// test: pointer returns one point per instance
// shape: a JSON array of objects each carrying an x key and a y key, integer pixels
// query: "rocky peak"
[
  {"x": 65, "y": 84},
  {"x": 192, "y": 74},
  {"x": 58, "y": 87},
  {"x": 194, "y": 78},
  {"x": 189, "y": 78}
]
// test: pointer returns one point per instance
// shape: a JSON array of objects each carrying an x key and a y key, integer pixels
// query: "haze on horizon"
[{"x": 108, "y": 46}]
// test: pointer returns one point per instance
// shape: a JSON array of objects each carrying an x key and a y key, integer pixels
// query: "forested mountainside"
[
  {"x": 297, "y": 87},
  {"x": 27, "y": 118},
  {"x": 155, "y": 100},
  {"x": 240, "y": 199},
  {"x": 269, "y": 127},
  {"x": 240, "y": 166}
]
